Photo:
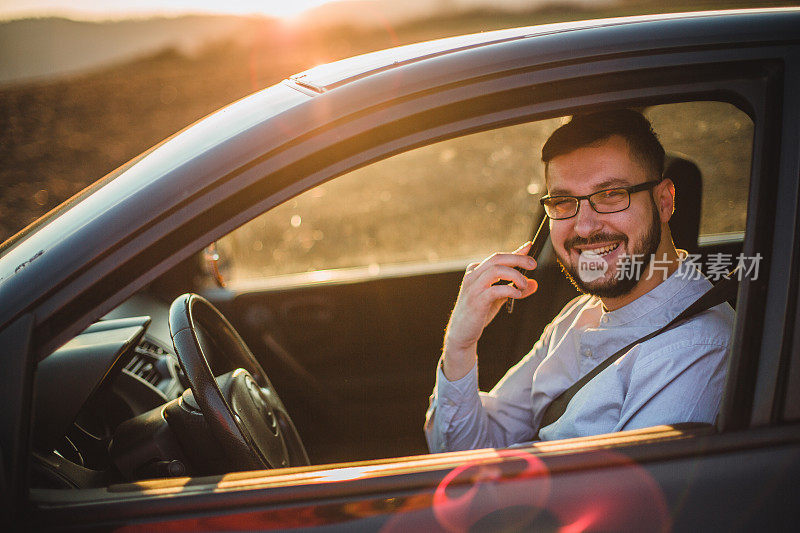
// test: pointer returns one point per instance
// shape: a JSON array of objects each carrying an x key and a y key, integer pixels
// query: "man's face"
[{"x": 589, "y": 245}]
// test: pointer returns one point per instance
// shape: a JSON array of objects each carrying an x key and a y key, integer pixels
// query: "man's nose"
[{"x": 586, "y": 221}]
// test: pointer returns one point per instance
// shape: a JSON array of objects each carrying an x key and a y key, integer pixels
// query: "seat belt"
[{"x": 723, "y": 291}]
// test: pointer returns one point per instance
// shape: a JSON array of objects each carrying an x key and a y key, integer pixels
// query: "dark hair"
[{"x": 589, "y": 129}]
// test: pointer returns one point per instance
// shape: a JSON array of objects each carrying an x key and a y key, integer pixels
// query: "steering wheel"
[{"x": 241, "y": 407}]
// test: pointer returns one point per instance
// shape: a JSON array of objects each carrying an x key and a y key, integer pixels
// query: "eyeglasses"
[{"x": 605, "y": 201}]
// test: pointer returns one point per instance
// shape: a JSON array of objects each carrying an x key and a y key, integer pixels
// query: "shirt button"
[
  {"x": 604, "y": 320},
  {"x": 587, "y": 352}
]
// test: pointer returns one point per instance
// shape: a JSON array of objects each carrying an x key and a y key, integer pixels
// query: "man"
[{"x": 609, "y": 208}]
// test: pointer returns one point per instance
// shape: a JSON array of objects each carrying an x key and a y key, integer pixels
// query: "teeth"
[{"x": 601, "y": 251}]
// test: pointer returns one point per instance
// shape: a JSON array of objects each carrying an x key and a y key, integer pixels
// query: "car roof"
[{"x": 325, "y": 77}]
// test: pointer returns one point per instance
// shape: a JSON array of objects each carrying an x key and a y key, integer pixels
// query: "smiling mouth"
[{"x": 600, "y": 251}]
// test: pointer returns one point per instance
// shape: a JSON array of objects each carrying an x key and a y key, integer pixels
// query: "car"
[{"x": 239, "y": 328}]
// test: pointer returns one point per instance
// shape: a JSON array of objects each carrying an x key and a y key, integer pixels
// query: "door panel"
[{"x": 662, "y": 478}]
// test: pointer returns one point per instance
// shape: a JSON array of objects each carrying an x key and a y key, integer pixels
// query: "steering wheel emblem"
[{"x": 261, "y": 399}]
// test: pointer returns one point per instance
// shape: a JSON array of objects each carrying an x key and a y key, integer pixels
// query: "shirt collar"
[{"x": 648, "y": 303}]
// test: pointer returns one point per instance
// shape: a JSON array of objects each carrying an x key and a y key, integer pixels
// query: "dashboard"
[{"x": 112, "y": 372}]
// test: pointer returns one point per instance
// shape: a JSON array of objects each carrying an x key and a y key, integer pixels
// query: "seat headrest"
[{"x": 685, "y": 221}]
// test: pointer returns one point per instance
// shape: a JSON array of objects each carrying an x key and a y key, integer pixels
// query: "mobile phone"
[{"x": 538, "y": 243}]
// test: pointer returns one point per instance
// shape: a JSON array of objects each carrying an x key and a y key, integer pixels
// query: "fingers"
[
  {"x": 516, "y": 259},
  {"x": 485, "y": 287},
  {"x": 500, "y": 267},
  {"x": 496, "y": 273},
  {"x": 504, "y": 291},
  {"x": 533, "y": 285}
]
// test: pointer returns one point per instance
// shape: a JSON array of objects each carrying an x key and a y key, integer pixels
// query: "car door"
[{"x": 679, "y": 478}]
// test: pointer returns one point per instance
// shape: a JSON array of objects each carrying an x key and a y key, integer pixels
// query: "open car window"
[
  {"x": 369, "y": 263},
  {"x": 456, "y": 201},
  {"x": 445, "y": 204}
]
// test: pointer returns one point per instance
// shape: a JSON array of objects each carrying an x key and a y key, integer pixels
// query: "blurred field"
[
  {"x": 464, "y": 198},
  {"x": 57, "y": 137}
]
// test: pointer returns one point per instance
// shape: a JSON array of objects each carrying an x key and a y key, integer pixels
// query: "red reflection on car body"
[
  {"x": 474, "y": 489},
  {"x": 609, "y": 492}
]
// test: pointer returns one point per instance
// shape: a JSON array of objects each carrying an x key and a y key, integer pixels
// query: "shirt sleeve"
[{"x": 459, "y": 417}]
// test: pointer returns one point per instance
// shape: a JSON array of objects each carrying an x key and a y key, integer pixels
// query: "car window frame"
[
  {"x": 758, "y": 337},
  {"x": 784, "y": 405},
  {"x": 594, "y": 94}
]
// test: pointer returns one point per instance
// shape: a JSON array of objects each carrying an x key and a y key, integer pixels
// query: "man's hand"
[{"x": 479, "y": 300}]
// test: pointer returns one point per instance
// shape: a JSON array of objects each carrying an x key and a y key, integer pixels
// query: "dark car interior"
[{"x": 352, "y": 361}]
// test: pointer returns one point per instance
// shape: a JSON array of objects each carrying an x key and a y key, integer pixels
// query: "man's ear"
[{"x": 664, "y": 194}]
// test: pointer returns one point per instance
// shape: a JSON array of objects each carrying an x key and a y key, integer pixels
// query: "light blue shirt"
[{"x": 676, "y": 376}]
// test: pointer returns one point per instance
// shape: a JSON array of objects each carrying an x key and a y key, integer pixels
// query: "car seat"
[{"x": 685, "y": 221}]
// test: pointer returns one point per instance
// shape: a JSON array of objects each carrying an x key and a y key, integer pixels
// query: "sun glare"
[
  {"x": 91, "y": 9},
  {"x": 275, "y": 8}
]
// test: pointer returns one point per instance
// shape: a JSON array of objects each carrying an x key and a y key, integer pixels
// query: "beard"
[{"x": 611, "y": 286}]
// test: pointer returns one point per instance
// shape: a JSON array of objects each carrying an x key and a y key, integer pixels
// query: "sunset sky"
[
  {"x": 126, "y": 8},
  {"x": 116, "y": 9}
]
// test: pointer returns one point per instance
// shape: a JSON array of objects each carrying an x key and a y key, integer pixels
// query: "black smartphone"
[{"x": 538, "y": 243}]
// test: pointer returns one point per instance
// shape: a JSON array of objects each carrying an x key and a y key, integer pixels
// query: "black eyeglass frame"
[{"x": 630, "y": 190}]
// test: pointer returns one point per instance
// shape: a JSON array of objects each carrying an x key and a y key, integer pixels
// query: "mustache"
[{"x": 594, "y": 239}]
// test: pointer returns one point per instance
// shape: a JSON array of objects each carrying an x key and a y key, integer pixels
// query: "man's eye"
[
  {"x": 613, "y": 195},
  {"x": 562, "y": 205}
]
